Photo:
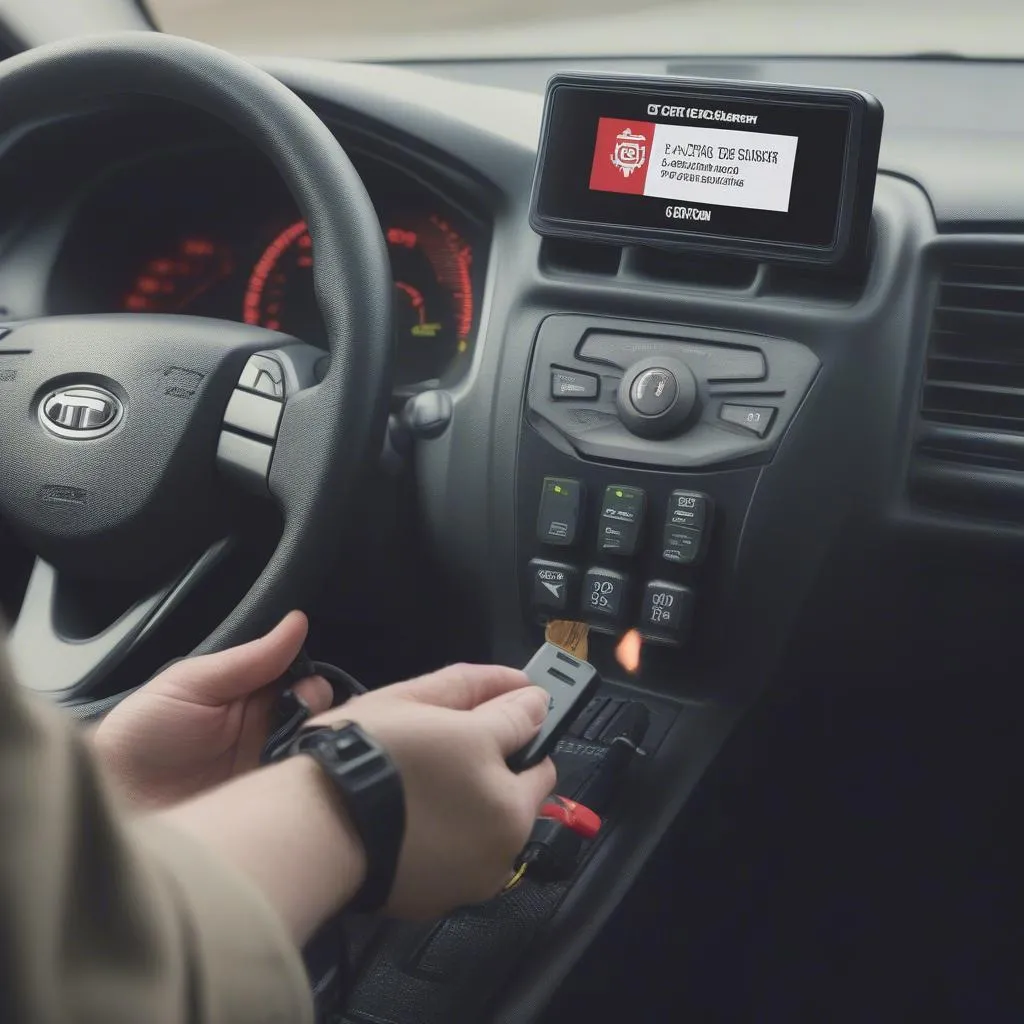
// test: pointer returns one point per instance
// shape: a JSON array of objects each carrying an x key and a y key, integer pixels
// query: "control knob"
[{"x": 657, "y": 397}]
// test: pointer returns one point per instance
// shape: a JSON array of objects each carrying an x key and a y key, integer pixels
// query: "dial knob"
[{"x": 657, "y": 397}]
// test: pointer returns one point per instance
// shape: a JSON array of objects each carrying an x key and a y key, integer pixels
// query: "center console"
[
  {"x": 639, "y": 451},
  {"x": 642, "y": 455},
  {"x": 641, "y": 441},
  {"x": 638, "y": 456}
]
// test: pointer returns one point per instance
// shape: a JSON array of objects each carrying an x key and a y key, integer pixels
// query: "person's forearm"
[{"x": 285, "y": 829}]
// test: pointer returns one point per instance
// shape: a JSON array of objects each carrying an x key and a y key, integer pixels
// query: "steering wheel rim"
[{"x": 327, "y": 432}]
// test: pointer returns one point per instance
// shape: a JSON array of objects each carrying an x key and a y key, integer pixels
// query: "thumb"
[
  {"x": 513, "y": 719},
  {"x": 538, "y": 782},
  {"x": 238, "y": 671}
]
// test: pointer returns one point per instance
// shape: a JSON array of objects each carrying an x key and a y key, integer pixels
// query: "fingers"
[
  {"x": 461, "y": 687},
  {"x": 238, "y": 671},
  {"x": 316, "y": 692},
  {"x": 513, "y": 718},
  {"x": 538, "y": 782}
]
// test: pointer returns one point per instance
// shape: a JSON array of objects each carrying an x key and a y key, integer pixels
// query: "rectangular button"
[
  {"x": 755, "y": 418},
  {"x": 558, "y": 520},
  {"x": 604, "y": 593},
  {"x": 253, "y": 413},
  {"x": 688, "y": 508},
  {"x": 573, "y": 384},
  {"x": 601, "y": 720},
  {"x": 622, "y": 516},
  {"x": 681, "y": 545},
  {"x": 264, "y": 376},
  {"x": 667, "y": 609},
  {"x": 586, "y": 716},
  {"x": 245, "y": 457},
  {"x": 552, "y": 584}
]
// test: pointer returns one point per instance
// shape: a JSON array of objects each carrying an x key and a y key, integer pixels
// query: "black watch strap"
[{"x": 371, "y": 789}]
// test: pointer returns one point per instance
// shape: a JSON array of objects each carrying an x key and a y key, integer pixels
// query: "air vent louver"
[
  {"x": 975, "y": 371},
  {"x": 969, "y": 455}
]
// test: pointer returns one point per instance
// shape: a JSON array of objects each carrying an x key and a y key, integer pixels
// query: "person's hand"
[
  {"x": 467, "y": 814},
  {"x": 203, "y": 720}
]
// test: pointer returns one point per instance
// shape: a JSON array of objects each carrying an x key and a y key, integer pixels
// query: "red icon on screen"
[
  {"x": 622, "y": 152},
  {"x": 630, "y": 153}
]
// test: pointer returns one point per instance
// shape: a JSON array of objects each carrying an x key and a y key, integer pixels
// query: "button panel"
[
  {"x": 558, "y": 519},
  {"x": 621, "y": 520},
  {"x": 774, "y": 374},
  {"x": 608, "y": 570},
  {"x": 245, "y": 448}
]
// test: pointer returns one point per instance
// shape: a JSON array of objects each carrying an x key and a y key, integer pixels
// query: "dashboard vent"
[
  {"x": 969, "y": 455},
  {"x": 689, "y": 268},
  {"x": 564, "y": 255},
  {"x": 975, "y": 371},
  {"x": 632, "y": 265}
]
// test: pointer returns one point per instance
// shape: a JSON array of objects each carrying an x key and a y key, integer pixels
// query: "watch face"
[
  {"x": 318, "y": 739},
  {"x": 339, "y": 744},
  {"x": 322, "y": 739}
]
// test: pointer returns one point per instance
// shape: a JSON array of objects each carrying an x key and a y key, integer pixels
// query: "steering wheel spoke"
[
  {"x": 268, "y": 382},
  {"x": 51, "y": 646}
]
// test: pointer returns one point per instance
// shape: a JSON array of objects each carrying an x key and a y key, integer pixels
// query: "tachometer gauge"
[
  {"x": 434, "y": 293},
  {"x": 174, "y": 281},
  {"x": 431, "y": 264}
]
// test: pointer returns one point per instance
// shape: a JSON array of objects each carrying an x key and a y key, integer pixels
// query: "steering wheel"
[{"x": 119, "y": 433}]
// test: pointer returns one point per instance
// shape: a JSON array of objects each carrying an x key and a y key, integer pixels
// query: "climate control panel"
[{"x": 666, "y": 395}]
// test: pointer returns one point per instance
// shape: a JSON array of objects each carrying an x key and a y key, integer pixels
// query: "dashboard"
[
  {"x": 211, "y": 231},
  {"x": 880, "y": 431},
  {"x": 861, "y": 488}
]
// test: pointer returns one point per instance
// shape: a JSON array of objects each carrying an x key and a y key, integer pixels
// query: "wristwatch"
[{"x": 371, "y": 790}]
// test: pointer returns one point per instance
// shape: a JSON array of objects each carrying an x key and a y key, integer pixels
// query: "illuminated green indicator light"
[
  {"x": 558, "y": 489},
  {"x": 618, "y": 494}
]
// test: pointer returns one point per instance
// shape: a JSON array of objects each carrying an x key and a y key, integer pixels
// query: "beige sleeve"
[{"x": 107, "y": 921}]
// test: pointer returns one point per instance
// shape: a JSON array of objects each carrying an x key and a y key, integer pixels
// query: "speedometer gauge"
[
  {"x": 279, "y": 295},
  {"x": 175, "y": 281},
  {"x": 431, "y": 264}
]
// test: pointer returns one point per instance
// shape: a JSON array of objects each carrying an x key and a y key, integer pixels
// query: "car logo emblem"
[{"x": 81, "y": 412}]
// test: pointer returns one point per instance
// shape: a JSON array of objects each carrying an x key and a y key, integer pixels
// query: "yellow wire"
[{"x": 516, "y": 878}]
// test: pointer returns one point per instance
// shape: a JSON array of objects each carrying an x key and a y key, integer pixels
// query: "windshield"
[{"x": 434, "y": 29}]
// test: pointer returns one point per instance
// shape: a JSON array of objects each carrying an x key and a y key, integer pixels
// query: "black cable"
[
  {"x": 291, "y": 712},
  {"x": 343, "y": 684}
]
